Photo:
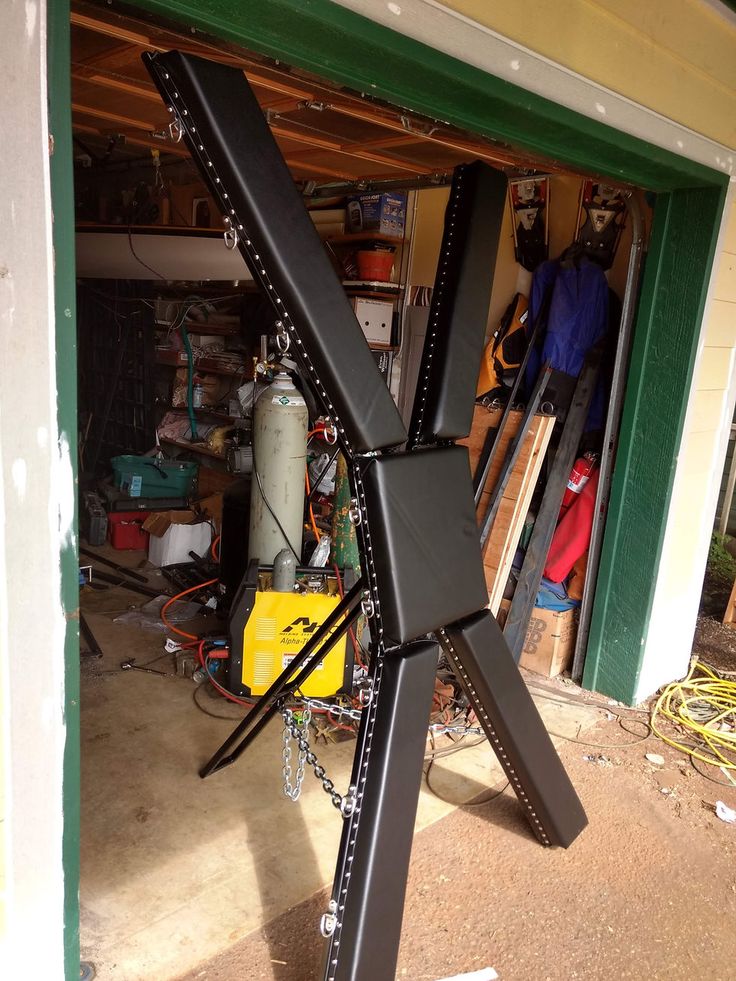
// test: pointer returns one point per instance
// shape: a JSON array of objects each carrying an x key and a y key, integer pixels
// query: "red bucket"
[{"x": 375, "y": 265}]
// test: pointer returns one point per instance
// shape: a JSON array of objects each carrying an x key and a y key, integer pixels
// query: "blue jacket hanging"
[{"x": 576, "y": 321}]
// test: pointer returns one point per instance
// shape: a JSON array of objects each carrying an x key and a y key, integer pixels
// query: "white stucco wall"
[{"x": 36, "y": 497}]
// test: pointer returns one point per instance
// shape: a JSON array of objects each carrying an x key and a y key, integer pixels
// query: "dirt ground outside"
[{"x": 647, "y": 892}]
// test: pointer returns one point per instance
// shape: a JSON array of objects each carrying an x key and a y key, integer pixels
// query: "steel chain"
[{"x": 300, "y": 734}]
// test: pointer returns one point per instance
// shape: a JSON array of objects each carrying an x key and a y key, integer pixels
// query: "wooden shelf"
[
  {"x": 203, "y": 365},
  {"x": 184, "y": 444},
  {"x": 204, "y": 411},
  {"x": 349, "y": 238},
  {"x": 216, "y": 330}
]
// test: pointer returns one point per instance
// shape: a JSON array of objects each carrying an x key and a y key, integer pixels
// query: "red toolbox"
[{"x": 125, "y": 529}]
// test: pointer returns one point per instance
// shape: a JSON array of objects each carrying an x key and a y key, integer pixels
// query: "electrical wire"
[
  {"x": 205, "y": 662},
  {"x": 703, "y": 707},
  {"x": 312, "y": 520},
  {"x": 351, "y": 631},
  {"x": 185, "y": 592},
  {"x": 235, "y": 717},
  {"x": 271, "y": 510},
  {"x": 431, "y": 758},
  {"x": 473, "y": 802},
  {"x": 215, "y": 548}
]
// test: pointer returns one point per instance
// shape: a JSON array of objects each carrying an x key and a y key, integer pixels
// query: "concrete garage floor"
[{"x": 224, "y": 879}]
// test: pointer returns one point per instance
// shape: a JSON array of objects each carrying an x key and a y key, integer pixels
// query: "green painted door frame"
[{"x": 348, "y": 49}]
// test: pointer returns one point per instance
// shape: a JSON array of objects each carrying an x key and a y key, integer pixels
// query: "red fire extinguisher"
[{"x": 579, "y": 476}]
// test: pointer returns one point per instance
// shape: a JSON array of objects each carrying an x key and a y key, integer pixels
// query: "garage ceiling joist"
[{"x": 326, "y": 134}]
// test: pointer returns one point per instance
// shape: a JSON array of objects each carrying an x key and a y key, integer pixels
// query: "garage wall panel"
[
  {"x": 698, "y": 478},
  {"x": 674, "y": 58}
]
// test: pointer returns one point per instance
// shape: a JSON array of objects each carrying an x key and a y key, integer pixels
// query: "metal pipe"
[{"x": 611, "y": 432}]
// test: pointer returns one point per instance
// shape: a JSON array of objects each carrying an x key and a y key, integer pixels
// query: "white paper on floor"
[
  {"x": 485, "y": 974},
  {"x": 725, "y": 813}
]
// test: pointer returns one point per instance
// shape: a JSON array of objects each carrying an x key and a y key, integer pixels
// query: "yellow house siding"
[{"x": 676, "y": 58}]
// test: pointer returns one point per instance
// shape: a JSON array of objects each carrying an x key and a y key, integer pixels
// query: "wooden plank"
[
  {"x": 729, "y": 617},
  {"x": 508, "y": 526},
  {"x": 506, "y": 530}
]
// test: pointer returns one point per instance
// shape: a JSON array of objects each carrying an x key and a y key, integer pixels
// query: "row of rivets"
[
  {"x": 255, "y": 256},
  {"x": 500, "y": 751},
  {"x": 437, "y": 303}
]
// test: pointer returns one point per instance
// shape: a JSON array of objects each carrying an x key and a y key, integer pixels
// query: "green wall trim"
[
  {"x": 343, "y": 46},
  {"x": 62, "y": 191},
  {"x": 671, "y": 305}
]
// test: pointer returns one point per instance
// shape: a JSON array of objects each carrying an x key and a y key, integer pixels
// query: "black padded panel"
[
  {"x": 379, "y": 838},
  {"x": 424, "y": 538},
  {"x": 443, "y": 404},
  {"x": 516, "y": 732},
  {"x": 251, "y": 182}
]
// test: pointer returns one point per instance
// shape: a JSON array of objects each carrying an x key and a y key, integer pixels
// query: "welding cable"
[
  {"x": 703, "y": 706},
  {"x": 315, "y": 530},
  {"x": 205, "y": 662},
  {"x": 185, "y": 592},
  {"x": 351, "y": 630}
]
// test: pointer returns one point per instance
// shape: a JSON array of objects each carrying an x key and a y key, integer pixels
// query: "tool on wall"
[
  {"x": 408, "y": 589},
  {"x": 529, "y": 200},
  {"x": 601, "y": 219}
]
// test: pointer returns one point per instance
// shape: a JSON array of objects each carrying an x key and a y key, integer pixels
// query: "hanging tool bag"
[{"x": 504, "y": 352}]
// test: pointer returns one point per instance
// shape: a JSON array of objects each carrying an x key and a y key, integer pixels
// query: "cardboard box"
[
  {"x": 174, "y": 534},
  {"x": 550, "y": 639},
  {"x": 376, "y": 318},
  {"x": 382, "y": 213}
]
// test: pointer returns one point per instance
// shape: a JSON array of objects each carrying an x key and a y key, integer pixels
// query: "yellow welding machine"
[{"x": 268, "y": 629}]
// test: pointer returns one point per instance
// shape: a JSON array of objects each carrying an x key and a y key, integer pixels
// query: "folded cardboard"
[
  {"x": 550, "y": 639},
  {"x": 174, "y": 534}
]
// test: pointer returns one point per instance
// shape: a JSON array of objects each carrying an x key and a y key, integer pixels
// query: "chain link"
[{"x": 300, "y": 734}]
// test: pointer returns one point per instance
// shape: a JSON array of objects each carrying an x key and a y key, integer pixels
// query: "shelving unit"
[
  {"x": 184, "y": 444},
  {"x": 202, "y": 412},
  {"x": 178, "y": 359}
]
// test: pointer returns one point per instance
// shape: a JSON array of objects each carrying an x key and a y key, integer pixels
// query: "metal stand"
[
  {"x": 322, "y": 641},
  {"x": 413, "y": 508}
]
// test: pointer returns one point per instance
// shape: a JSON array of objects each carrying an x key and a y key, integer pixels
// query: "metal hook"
[
  {"x": 231, "y": 238},
  {"x": 176, "y": 130},
  {"x": 283, "y": 341}
]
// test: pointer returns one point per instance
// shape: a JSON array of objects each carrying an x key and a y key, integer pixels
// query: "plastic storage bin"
[
  {"x": 145, "y": 476},
  {"x": 125, "y": 529}
]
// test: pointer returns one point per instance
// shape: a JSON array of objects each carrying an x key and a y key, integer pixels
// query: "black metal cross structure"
[{"x": 423, "y": 585}]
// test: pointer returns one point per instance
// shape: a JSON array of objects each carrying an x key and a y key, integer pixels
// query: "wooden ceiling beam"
[
  {"x": 296, "y": 164},
  {"x": 334, "y": 146},
  {"x": 151, "y": 143},
  {"x": 109, "y": 29},
  {"x": 112, "y": 58},
  {"x": 383, "y": 142},
  {"x": 105, "y": 80},
  {"x": 147, "y": 125},
  {"x": 451, "y": 142}
]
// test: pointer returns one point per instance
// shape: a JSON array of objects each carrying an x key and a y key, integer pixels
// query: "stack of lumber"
[{"x": 503, "y": 539}]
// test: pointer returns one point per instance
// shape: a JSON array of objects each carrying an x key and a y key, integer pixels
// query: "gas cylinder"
[
  {"x": 280, "y": 423},
  {"x": 579, "y": 476}
]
